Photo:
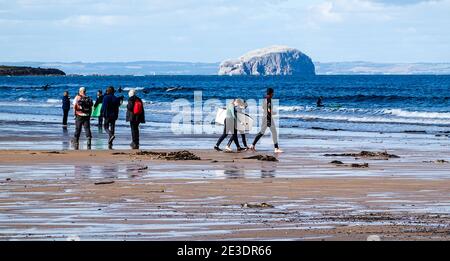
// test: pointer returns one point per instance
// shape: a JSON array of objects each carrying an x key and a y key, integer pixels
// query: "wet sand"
[{"x": 117, "y": 195}]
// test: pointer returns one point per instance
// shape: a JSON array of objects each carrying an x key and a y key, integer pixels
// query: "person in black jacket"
[
  {"x": 65, "y": 107},
  {"x": 136, "y": 116},
  {"x": 110, "y": 113}
]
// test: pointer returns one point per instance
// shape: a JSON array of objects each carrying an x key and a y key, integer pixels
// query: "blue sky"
[{"x": 210, "y": 31}]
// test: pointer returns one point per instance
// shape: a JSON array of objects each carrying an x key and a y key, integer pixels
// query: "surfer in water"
[
  {"x": 319, "y": 102},
  {"x": 267, "y": 122},
  {"x": 230, "y": 127}
]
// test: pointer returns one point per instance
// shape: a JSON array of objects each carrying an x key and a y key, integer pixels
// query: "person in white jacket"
[{"x": 230, "y": 127}]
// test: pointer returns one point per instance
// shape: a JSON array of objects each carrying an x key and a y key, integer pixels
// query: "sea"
[{"x": 375, "y": 103}]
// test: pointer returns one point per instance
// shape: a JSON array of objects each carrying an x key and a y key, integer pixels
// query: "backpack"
[
  {"x": 85, "y": 104},
  {"x": 138, "y": 107}
]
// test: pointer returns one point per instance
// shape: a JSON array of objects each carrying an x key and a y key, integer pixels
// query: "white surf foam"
[{"x": 418, "y": 114}]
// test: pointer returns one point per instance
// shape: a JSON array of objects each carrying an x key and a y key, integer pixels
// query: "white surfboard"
[
  {"x": 221, "y": 115},
  {"x": 245, "y": 122}
]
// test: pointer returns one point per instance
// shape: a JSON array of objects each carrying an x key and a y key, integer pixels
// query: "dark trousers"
[
  {"x": 244, "y": 140},
  {"x": 100, "y": 121},
  {"x": 110, "y": 126},
  {"x": 225, "y": 134},
  {"x": 82, "y": 122},
  {"x": 65, "y": 116},
  {"x": 135, "y": 132}
]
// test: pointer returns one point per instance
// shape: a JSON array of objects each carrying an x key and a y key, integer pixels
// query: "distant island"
[
  {"x": 273, "y": 60},
  {"x": 29, "y": 71}
]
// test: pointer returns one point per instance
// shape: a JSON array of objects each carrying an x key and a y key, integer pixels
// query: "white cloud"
[
  {"x": 325, "y": 12},
  {"x": 91, "y": 20},
  {"x": 208, "y": 30}
]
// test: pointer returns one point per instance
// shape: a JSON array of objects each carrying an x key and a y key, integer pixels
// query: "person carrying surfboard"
[
  {"x": 267, "y": 122},
  {"x": 136, "y": 116},
  {"x": 241, "y": 105},
  {"x": 230, "y": 127},
  {"x": 97, "y": 109}
]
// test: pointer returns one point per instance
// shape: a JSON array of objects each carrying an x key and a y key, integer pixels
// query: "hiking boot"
[
  {"x": 252, "y": 148},
  {"x": 241, "y": 149},
  {"x": 217, "y": 148},
  {"x": 228, "y": 149}
]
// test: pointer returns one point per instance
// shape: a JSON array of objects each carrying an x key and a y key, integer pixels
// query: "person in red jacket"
[{"x": 136, "y": 116}]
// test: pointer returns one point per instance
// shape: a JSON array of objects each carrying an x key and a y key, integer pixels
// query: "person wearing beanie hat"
[{"x": 135, "y": 116}]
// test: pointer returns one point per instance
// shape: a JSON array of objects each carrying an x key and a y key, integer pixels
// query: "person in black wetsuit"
[
  {"x": 268, "y": 122},
  {"x": 319, "y": 102}
]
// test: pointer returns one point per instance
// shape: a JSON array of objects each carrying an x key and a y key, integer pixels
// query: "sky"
[{"x": 215, "y": 30}]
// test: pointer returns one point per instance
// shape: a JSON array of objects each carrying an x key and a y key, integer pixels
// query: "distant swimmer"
[
  {"x": 120, "y": 90},
  {"x": 46, "y": 87},
  {"x": 319, "y": 102}
]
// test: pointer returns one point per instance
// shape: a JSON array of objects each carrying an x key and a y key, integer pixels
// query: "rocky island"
[
  {"x": 29, "y": 71},
  {"x": 274, "y": 60}
]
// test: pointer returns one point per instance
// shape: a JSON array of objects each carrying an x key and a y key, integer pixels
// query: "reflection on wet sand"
[
  {"x": 110, "y": 171},
  {"x": 82, "y": 172},
  {"x": 65, "y": 139},
  {"x": 268, "y": 170}
]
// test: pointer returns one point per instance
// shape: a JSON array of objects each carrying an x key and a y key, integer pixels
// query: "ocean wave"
[
  {"x": 418, "y": 114},
  {"x": 53, "y": 101},
  {"x": 21, "y": 99},
  {"x": 293, "y": 108},
  {"x": 367, "y": 119},
  {"x": 133, "y": 88}
]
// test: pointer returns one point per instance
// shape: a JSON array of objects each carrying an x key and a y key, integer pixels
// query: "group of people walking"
[
  {"x": 230, "y": 125},
  {"x": 83, "y": 107}
]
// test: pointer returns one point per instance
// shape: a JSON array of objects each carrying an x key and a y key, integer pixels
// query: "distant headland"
[{"x": 29, "y": 71}]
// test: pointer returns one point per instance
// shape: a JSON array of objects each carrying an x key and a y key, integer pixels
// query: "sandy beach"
[{"x": 138, "y": 195}]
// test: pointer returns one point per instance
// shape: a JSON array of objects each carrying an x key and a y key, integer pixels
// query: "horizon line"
[{"x": 197, "y": 62}]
